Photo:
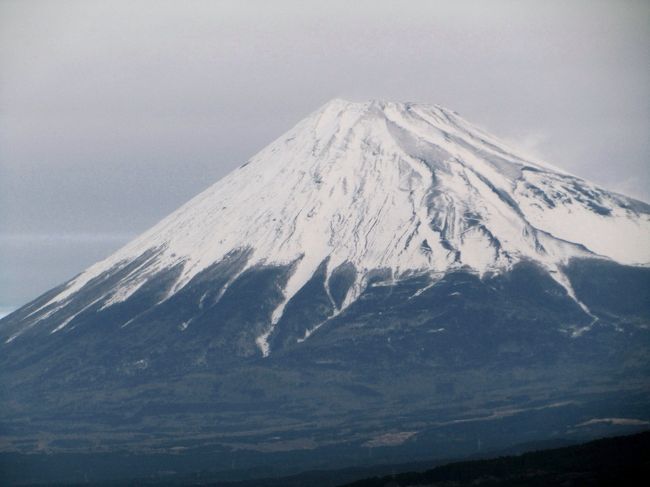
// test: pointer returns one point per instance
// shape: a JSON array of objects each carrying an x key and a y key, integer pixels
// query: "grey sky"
[{"x": 114, "y": 113}]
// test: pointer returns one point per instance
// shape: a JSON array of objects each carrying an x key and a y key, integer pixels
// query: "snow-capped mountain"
[
  {"x": 398, "y": 187},
  {"x": 385, "y": 282}
]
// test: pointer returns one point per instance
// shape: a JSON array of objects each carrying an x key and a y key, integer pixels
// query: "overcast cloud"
[{"x": 112, "y": 113}]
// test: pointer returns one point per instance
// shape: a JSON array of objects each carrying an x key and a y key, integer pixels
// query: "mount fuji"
[{"x": 383, "y": 277}]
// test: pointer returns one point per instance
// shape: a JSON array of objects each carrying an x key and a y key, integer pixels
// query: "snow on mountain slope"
[{"x": 406, "y": 187}]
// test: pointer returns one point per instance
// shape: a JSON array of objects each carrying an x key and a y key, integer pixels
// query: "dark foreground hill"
[{"x": 611, "y": 461}]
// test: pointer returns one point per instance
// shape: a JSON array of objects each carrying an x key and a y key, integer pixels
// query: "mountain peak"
[
  {"x": 400, "y": 188},
  {"x": 377, "y": 106}
]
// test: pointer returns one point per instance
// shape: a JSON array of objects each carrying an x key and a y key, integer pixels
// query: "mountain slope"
[{"x": 404, "y": 188}]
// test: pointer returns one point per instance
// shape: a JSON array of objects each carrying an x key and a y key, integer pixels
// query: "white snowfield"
[{"x": 407, "y": 187}]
